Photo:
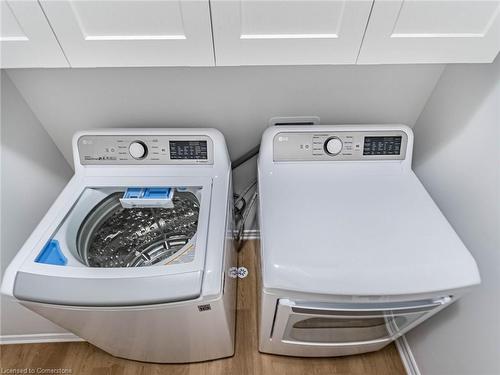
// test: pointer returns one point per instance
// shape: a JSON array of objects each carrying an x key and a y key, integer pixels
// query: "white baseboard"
[
  {"x": 407, "y": 357},
  {"x": 251, "y": 234},
  {"x": 38, "y": 338}
]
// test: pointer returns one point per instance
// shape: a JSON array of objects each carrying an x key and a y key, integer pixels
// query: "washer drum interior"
[{"x": 113, "y": 236}]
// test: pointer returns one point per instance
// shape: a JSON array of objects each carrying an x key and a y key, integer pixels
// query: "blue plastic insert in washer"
[
  {"x": 52, "y": 254},
  {"x": 134, "y": 193},
  {"x": 148, "y": 193},
  {"x": 157, "y": 193}
]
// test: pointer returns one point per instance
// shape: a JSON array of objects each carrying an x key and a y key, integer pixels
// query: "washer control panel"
[
  {"x": 340, "y": 145},
  {"x": 147, "y": 149}
]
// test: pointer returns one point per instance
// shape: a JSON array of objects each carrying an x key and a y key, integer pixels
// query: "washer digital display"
[
  {"x": 386, "y": 145},
  {"x": 188, "y": 150}
]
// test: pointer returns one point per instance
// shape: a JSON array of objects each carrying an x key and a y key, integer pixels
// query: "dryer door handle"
[{"x": 365, "y": 309}]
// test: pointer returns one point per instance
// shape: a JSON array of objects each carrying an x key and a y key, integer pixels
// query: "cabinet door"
[
  {"x": 437, "y": 31},
  {"x": 132, "y": 32},
  {"x": 288, "y": 32},
  {"x": 26, "y": 39}
]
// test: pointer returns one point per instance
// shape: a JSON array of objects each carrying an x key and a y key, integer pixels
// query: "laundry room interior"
[{"x": 425, "y": 104}]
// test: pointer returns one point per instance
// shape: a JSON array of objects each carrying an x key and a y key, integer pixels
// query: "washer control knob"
[
  {"x": 333, "y": 146},
  {"x": 138, "y": 150}
]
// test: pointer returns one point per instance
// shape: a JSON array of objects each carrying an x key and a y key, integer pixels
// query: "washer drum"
[{"x": 113, "y": 236}]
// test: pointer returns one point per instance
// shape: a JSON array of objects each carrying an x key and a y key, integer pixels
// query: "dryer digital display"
[
  {"x": 188, "y": 150},
  {"x": 385, "y": 145}
]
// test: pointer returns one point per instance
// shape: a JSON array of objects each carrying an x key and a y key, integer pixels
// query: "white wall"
[
  {"x": 457, "y": 157},
  {"x": 33, "y": 172},
  {"x": 237, "y": 100}
]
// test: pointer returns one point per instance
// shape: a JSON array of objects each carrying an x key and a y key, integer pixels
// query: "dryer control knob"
[
  {"x": 333, "y": 146},
  {"x": 138, "y": 150}
]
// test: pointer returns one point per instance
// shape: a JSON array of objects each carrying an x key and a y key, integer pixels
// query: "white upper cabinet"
[
  {"x": 114, "y": 33},
  {"x": 26, "y": 39},
  {"x": 133, "y": 32},
  {"x": 437, "y": 31},
  {"x": 257, "y": 32}
]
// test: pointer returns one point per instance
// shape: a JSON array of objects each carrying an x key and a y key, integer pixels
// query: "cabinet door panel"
[
  {"x": 438, "y": 31},
  {"x": 26, "y": 39},
  {"x": 287, "y": 32},
  {"x": 132, "y": 32}
]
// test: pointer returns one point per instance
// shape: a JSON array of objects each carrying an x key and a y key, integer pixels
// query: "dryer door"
[{"x": 337, "y": 324}]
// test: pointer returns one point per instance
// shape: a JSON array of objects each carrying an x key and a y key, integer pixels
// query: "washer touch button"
[
  {"x": 333, "y": 146},
  {"x": 138, "y": 150}
]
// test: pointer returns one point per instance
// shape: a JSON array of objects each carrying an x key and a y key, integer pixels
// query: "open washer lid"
[
  {"x": 94, "y": 252},
  {"x": 356, "y": 228}
]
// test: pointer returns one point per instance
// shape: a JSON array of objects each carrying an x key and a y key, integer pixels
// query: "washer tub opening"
[{"x": 113, "y": 236}]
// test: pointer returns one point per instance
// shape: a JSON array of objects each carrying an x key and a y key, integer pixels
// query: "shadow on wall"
[
  {"x": 33, "y": 172},
  {"x": 457, "y": 158},
  {"x": 15, "y": 135},
  {"x": 470, "y": 92}
]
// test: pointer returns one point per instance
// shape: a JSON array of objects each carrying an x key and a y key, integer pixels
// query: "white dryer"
[
  {"x": 134, "y": 255},
  {"x": 354, "y": 252}
]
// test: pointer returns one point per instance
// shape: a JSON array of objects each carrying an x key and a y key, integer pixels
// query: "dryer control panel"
[
  {"x": 147, "y": 149},
  {"x": 339, "y": 145}
]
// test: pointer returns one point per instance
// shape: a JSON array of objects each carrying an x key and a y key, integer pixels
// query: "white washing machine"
[
  {"x": 354, "y": 252},
  {"x": 134, "y": 255}
]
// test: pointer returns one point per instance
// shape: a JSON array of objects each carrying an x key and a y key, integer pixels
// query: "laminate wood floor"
[{"x": 83, "y": 358}]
